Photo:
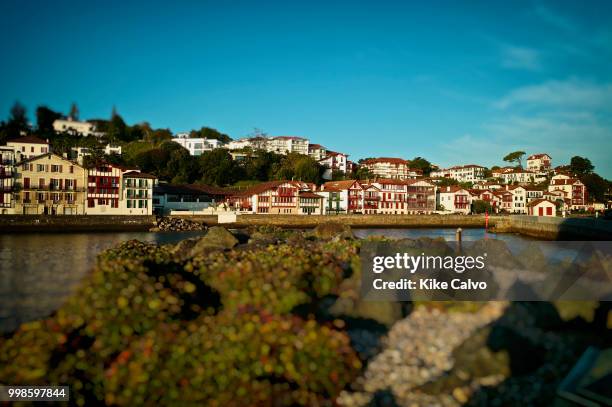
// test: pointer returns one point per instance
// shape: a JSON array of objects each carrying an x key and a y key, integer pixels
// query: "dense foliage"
[{"x": 148, "y": 328}]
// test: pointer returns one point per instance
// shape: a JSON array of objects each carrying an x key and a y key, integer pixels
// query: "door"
[
  {"x": 540, "y": 211},
  {"x": 549, "y": 211}
]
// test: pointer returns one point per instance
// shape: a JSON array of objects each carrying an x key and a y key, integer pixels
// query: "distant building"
[
  {"x": 454, "y": 199},
  {"x": 287, "y": 144},
  {"x": 279, "y": 198},
  {"x": 393, "y": 168},
  {"x": 317, "y": 151},
  {"x": 50, "y": 185},
  {"x": 344, "y": 196},
  {"x": 461, "y": 173},
  {"x": 112, "y": 149},
  {"x": 542, "y": 207},
  {"x": 574, "y": 190},
  {"x": 540, "y": 163},
  {"x": 510, "y": 175},
  {"x": 76, "y": 127},
  {"x": 28, "y": 147},
  {"x": 117, "y": 190},
  {"x": 195, "y": 197},
  {"x": 7, "y": 174},
  {"x": 334, "y": 162},
  {"x": 402, "y": 197},
  {"x": 197, "y": 146}
]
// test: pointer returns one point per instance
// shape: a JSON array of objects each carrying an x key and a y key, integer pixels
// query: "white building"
[
  {"x": 111, "y": 149},
  {"x": 279, "y": 145},
  {"x": 574, "y": 190},
  {"x": 7, "y": 182},
  {"x": 334, "y": 162},
  {"x": 27, "y": 147},
  {"x": 540, "y": 163},
  {"x": 511, "y": 175},
  {"x": 395, "y": 168},
  {"x": 542, "y": 207},
  {"x": 317, "y": 151},
  {"x": 196, "y": 146},
  {"x": 454, "y": 199},
  {"x": 76, "y": 127},
  {"x": 519, "y": 199},
  {"x": 462, "y": 173}
]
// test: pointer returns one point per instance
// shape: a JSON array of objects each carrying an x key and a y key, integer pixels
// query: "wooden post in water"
[{"x": 458, "y": 238}]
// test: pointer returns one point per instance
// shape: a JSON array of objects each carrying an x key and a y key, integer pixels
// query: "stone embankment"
[
  {"x": 555, "y": 228},
  {"x": 355, "y": 221}
]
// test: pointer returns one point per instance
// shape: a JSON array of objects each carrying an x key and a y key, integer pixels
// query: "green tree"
[
  {"x": 515, "y": 157},
  {"x": 422, "y": 164},
  {"x": 479, "y": 206},
  {"x": 595, "y": 185},
  {"x": 210, "y": 133},
  {"x": 74, "y": 112},
  {"x": 44, "y": 120},
  {"x": 581, "y": 166}
]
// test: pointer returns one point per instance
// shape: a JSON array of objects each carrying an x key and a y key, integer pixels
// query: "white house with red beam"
[
  {"x": 540, "y": 163},
  {"x": 519, "y": 199},
  {"x": 342, "y": 196},
  {"x": 277, "y": 197},
  {"x": 454, "y": 199},
  {"x": 371, "y": 199},
  {"x": 334, "y": 161},
  {"x": 573, "y": 188},
  {"x": 542, "y": 207},
  {"x": 487, "y": 196}
]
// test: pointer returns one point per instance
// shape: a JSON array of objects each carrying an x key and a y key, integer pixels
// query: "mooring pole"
[{"x": 458, "y": 238}]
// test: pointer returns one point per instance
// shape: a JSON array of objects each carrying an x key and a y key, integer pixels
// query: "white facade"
[
  {"x": 197, "y": 146},
  {"x": 110, "y": 149},
  {"x": 463, "y": 173},
  {"x": 279, "y": 145},
  {"x": 76, "y": 127},
  {"x": 542, "y": 207},
  {"x": 395, "y": 168},
  {"x": 519, "y": 199},
  {"x": 539, "y": 162},
  {"x": 27, "y": 147},
  {"x": 512, "y": 175},
  {"x": 317, "y": 151},
  {"x": 454, "y": 199}
]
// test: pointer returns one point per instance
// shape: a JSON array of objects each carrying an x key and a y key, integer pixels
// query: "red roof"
[
  {"x": 28, "y": 140},
  {"x": 536, "y": 156},
  {"x": 390, "y": 160},
  {"x": 536, "y": 202},
  {"x": 309, "y": 194},
  {"x": 136, "y": 174},
  {"x": 336, "y": 186}
]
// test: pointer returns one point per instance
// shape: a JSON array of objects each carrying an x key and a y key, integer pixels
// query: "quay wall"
[
  {"x": 74, "y": 223},
  {"x": 555, "y": 228}
]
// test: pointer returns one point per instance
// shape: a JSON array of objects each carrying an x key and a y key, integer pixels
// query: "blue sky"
[{"x": 455, "y": 83}]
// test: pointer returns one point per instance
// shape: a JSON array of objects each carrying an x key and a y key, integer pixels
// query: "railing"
[{"x": 53, "y": 188}]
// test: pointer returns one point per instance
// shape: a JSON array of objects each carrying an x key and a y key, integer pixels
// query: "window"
[
  {"x": 90, "y": 203},
  {"x": 101, "y": 201}
]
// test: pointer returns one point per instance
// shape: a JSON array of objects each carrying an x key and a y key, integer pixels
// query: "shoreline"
[{"x": 551, "y": 228}]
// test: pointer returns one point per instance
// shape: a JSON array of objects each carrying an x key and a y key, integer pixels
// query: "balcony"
[{"x": 6, "y": 173}]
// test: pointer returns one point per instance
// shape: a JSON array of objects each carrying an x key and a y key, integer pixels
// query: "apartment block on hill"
[
  {"x": 393, "y": 168},
  {"x": 461, "y": 173}
]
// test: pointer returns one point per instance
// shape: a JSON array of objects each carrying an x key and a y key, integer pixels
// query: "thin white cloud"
[
  {"x": 514, "y": 57},
  {"x": 554, "y": 18},
  {"x": 571, "y": 93}
]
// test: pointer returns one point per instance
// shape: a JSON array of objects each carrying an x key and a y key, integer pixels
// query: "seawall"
[
  {"x": 358, "y": 221},
  {"x": 555, "y": 228},
  {"x": 75, "y": 223}
]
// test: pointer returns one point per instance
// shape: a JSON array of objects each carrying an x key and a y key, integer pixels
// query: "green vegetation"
[
  {"x": 515, "y": 157},
  {"x": 148, "y": 328}
]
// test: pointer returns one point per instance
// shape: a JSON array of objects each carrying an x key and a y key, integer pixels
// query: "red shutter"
[
  {"x": 541, "y": 211},
  {"x": 549, "y": 211}
]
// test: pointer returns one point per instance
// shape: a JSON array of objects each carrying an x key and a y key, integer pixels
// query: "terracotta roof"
[
  {"x": 309, "y": 194},
  {"x": 48, "y": 155},
  {"x": 452, "y": 189},
  {"x": 137, "y": 174},
  {"x": 315, "y": 146},
  {"x": 335, "y": 153},
  {"x": 536, "y": 156},
  {"x": 390, "y": 160},
  {"x": 28, "y": 139},
  {"x": 288, "y": 138},
  {"x": 539, "y": 201},
  {"x": 336, "y": 186}
]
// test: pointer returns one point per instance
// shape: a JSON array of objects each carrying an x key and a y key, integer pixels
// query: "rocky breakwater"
[{"x": 165, "y": 224}]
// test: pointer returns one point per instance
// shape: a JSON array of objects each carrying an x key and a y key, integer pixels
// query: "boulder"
[{"x": 217, "y": 238}]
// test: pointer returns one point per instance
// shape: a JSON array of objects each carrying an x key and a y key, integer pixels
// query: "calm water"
[{"x": 38, "y": 271}]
